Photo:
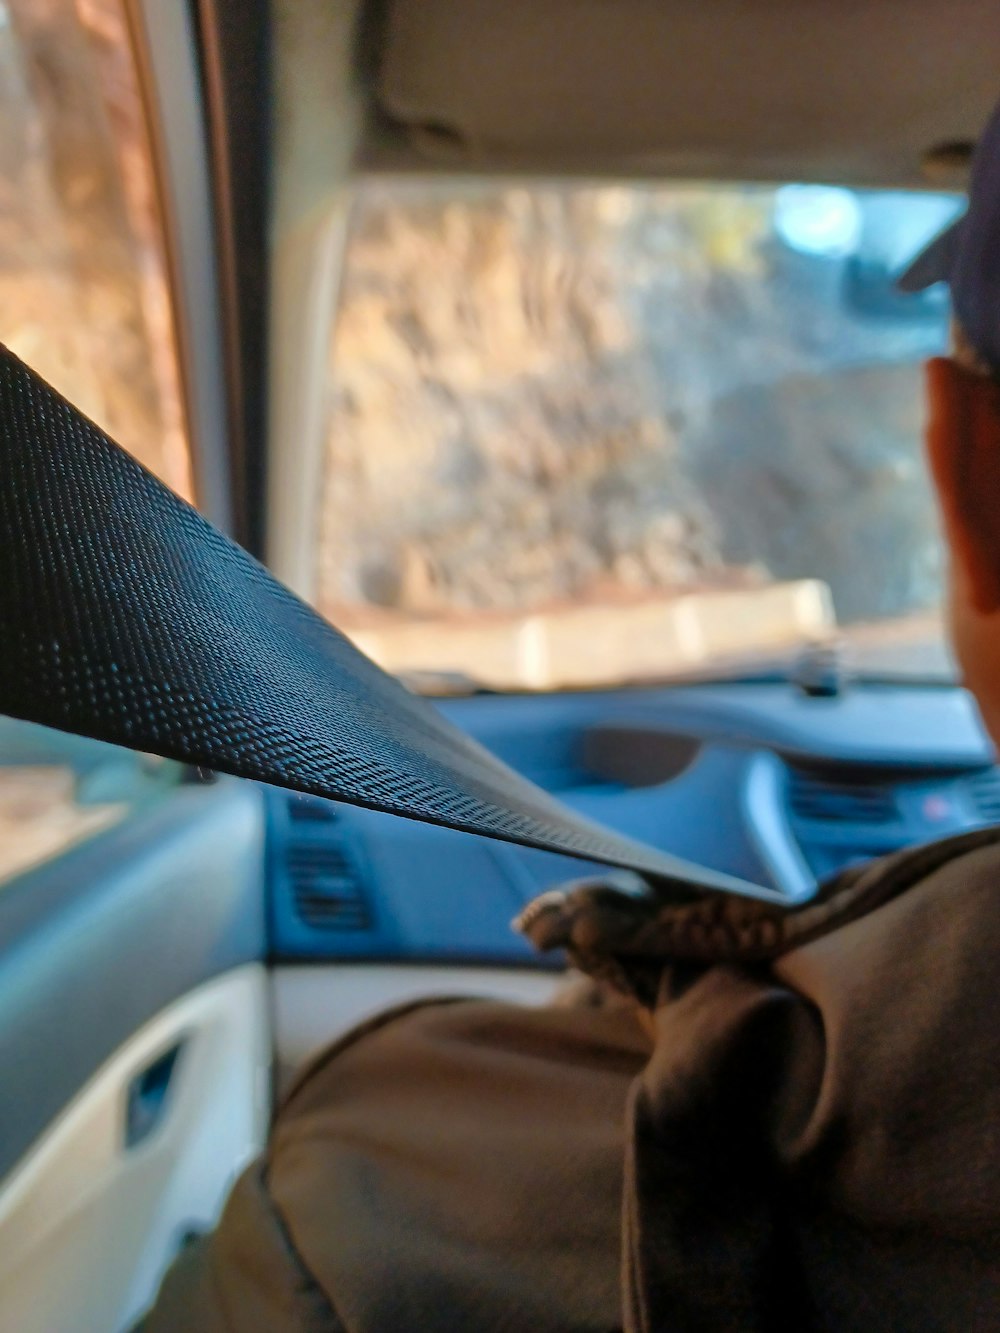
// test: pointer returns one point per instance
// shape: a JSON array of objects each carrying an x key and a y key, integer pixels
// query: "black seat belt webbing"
[{"x": 125, "y": 616}]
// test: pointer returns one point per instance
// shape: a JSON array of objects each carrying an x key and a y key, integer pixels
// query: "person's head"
[
  {"x": 963, "y": 439},
  {"x": 964, "y": 425}
]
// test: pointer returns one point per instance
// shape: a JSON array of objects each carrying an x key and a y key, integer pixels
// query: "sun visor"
[{"x": 776, "y": 89}]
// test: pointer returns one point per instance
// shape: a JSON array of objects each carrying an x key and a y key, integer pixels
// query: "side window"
[
  {"x": 85, "y": 300},
  {"x": 84, "y": 296},
  {"x": 57, "y": 790}
]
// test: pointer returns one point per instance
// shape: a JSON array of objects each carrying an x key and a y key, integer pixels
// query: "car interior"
[{"x": 194, "y": 250}]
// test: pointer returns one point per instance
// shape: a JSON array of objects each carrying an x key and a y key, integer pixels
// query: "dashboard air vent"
[
  {"x": 984, "y": 792},
  {"x": 842, "y": 802},
  {"x": 326, "y": 888}
]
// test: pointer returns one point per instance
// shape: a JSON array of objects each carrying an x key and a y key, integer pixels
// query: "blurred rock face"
[
  {"x": 547, "y": 394},
  {"x": 83, "y": 286}
]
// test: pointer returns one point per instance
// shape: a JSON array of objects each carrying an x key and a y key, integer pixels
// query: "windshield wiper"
[{"x": 442, "y": 683}]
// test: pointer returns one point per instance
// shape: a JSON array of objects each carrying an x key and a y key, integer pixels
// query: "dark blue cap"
[{"x": 967, "y": 255}]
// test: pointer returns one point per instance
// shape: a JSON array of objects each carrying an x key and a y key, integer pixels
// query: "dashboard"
[{"x": 764, "y": 780}]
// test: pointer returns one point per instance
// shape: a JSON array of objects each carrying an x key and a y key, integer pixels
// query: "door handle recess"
[{"x": 148, "y": 1096}]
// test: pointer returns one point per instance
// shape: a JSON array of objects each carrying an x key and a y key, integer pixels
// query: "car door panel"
[
  {"x": 136, "y": 1051},
  {"x": 96, "y": 942},
  {"x": 89, "y": 1219}
]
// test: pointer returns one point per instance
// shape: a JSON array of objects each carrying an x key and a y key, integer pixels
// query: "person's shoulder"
[{"x": 932, "y": 911}]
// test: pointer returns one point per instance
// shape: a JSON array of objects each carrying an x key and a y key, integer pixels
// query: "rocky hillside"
[
  {"x": 542, "y": 394},
  {"x": 83, "y": 290}
]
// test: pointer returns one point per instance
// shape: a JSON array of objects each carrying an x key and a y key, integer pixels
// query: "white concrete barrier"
[{"x": 603, "y": 644}]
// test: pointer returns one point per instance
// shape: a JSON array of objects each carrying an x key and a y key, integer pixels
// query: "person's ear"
[{"x": 963, "y": 443}]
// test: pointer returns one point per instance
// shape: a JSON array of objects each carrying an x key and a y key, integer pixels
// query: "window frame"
[{"x": 165, "y": 49}]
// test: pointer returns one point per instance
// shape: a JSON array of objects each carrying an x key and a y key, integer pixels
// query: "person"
[{"x": 752, "y": 1121}]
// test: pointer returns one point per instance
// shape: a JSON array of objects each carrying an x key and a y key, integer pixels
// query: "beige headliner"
[{"x": 841, "y": 90}]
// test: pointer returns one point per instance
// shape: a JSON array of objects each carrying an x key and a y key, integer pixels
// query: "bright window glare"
[
  {"x": 899, "y": 226},
  {"x": 818, "y": 219}
]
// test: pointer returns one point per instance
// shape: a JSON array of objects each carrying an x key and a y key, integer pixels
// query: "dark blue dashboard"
[{"x": 758, "y": 779}]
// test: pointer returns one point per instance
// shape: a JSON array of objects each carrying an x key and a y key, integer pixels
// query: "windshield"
[{"x": 587, "y": 435}]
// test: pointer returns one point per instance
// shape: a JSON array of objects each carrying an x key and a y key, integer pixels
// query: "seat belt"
[{"x": 126, "y": 617}]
